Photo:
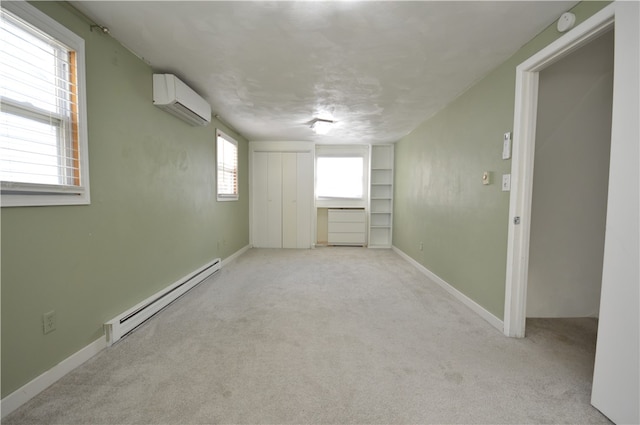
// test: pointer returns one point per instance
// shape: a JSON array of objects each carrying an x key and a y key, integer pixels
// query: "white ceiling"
[{"x": 378, "y": 68}]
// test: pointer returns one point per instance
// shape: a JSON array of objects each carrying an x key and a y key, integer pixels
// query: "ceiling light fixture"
[{"x": 321, "y": 126}]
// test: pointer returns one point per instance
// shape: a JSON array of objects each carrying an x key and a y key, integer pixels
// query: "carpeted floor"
[{"x": 331, "y": 335}]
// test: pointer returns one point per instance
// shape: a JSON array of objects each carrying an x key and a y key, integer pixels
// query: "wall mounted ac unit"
[{"x": 175, "y": 97}]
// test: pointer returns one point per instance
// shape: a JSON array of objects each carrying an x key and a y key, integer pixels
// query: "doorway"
[
  {"x": 570, "y": 183},
  {"x": 525, "y": 116},
  {"x": 616, "y": 382},
  {"x": 569, "y": 199}
]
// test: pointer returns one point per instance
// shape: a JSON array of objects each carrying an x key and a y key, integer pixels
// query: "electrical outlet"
[
  {"x": 421, "y": 246},
  {"x": 49, "y": 322}
]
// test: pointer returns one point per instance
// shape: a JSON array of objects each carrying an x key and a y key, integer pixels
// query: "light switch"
[
  {"x": 506, "y": 182},
  {"x": 506, "y": 146}
]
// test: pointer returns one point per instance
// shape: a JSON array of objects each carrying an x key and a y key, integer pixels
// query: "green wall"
[
  {"x": 439, "y": 196},
  {"x": 153, "y": 216}
]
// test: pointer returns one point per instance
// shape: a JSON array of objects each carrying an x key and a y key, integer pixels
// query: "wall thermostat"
[{"x": 486, "y": 177}]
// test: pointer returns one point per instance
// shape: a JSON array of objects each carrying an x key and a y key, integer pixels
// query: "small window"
[
  {"x": 340, "y": 177},
  {"x": 43, "y": 138},
  {"x": 227, "y": 153}
]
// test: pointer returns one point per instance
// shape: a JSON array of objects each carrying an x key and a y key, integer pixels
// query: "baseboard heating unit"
[{"x": 126, "y": 322}]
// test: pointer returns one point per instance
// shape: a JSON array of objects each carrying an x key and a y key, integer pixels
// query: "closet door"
[
  {"x": 260, "y": 199},
  {"x": 304, "y": 179},
  {"x": 282, "y": 196},
  {"x": 297, "y": 195},
  {"x": 289, "y": 200},
  {"x": 274, "y": 200}
]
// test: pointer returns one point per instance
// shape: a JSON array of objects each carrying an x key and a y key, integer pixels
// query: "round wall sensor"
[{"x": 566, "y": 21}]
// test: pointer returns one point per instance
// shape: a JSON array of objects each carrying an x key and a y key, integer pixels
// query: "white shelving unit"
[{"x": 381, "y": 196}]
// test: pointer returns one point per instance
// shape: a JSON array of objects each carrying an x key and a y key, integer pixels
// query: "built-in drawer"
[
  {"x": 346, "y": 216},
  {"x": 346, "y": 227},
  {"x": 347, "y": 238}
]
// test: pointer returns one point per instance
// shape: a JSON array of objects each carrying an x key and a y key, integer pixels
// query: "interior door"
[
  {"x": 304, "y": 178},
  {"x": 274, "y": 200},
  {"x": 260, "y": 199},
  {"x": 282, "y": 199},
  {"x": 289, "y": 200},
  {"x": 616, "y": 377}
]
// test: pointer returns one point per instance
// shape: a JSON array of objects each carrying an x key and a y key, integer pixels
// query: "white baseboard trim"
[
  {"x": 477, "y": 308},
  {"x": 48, "y": 378},
  {"x": 235, "y": 255}
]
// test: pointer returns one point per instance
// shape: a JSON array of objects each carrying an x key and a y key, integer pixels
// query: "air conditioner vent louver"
[{"x": 175, "y": 97}]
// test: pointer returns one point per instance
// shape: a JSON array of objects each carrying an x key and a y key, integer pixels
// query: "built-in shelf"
[
  {"x": 381, "y": 196},
  {"x": 381, "y": 191},
  {"x": 379, "y": 176}
]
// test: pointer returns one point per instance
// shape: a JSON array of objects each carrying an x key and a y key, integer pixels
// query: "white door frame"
[{"x": 524, "y": 132}]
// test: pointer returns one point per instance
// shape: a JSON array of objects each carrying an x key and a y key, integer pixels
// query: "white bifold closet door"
[
  {"x": 282, "y": 199},
  {"x": 274, "y": 200}
]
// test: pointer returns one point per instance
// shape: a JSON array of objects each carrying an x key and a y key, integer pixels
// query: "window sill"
[
  {"x": 226, "y": 199},
  {"x": 33, "y": 200},
  {"x": 341, "y": 203}
]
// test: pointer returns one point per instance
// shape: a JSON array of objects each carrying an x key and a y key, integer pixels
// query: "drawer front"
[
  {"x": 346, "y": 227},
  {"x": 346, "y": 238},
  {"x": 346, "y": 216}
]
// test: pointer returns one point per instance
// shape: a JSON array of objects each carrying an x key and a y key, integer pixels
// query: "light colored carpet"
[{"x": 331, "y": 335}]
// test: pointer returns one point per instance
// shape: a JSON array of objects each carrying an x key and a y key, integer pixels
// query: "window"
[
  {"x": 342, "y": 176},
  {"x": 43, "y": 137},
  {"x": 227, "y": 153},
  {"x": 339, "y": 177}
]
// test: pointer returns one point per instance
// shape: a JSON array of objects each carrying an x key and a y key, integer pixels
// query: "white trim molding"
[
  {"x": 48, "y": 378},
  {"x": 474, "y": 306},
  {"x": 235, "y": 255},
  {"x": 524, "y": 133}
]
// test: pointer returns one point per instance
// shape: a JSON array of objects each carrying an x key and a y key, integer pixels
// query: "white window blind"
[
  {"x": 40, "y": 136},
  {"x": 227, "y": 156}
]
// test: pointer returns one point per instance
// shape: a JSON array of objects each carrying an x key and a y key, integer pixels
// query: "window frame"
[
  {"x": 17, "y": 194},
  {"x": 224, "y": 197}
]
